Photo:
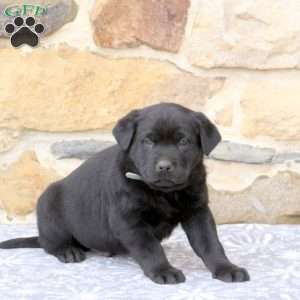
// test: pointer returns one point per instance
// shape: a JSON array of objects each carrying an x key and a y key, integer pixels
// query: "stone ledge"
[
  {"x": 230, "y": 151},
  {"x": 289, "y": 156},
  {"x": 81, "y": 149},
  {"x": 226, "y": 151}
]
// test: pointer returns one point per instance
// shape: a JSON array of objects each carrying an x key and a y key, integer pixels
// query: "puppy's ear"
[
  {"x": 209, "y": 134},
  {"x": 125, "y": 129}
]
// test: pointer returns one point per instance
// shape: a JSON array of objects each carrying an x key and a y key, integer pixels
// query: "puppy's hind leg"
[{"x": 53, "y": 234}]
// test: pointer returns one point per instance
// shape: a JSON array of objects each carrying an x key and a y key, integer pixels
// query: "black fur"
[
  {"x": 29, "y": 242},
  {"x": 97, "y": 207}
]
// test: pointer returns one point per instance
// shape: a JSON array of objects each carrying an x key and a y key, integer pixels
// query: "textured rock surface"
[
  {"x": 238, "y": 61},
  {"x": 130, "y": 23},
  {"x": 69, "y": 90},
  {"x": 288, "y": 156},
  {"x": 22, "y": 183},
  {"x": 81, "y": 149},
  {"x": 224, "y": 117},
  {"x": 8, "y": 139},
  {"x": 258, "y": 34},
  {"x": 242, "y": 153},
  {"x": 59, "y": 12},
  {"x": 268, "y": 200},
  {"x": 271, "y": 107}
]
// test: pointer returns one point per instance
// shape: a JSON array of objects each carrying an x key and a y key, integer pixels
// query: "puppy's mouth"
[{"x": 166, "y": 185}]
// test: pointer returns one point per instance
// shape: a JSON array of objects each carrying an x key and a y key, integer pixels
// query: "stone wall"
[{"x": 236, "y": 60}]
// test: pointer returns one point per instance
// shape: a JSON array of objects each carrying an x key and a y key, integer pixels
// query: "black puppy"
[{"x": 98, "y": 207}]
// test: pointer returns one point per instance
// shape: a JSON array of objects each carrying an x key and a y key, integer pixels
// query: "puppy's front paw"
[
  {"x": 167, "y": 275},
  {"x": 231, "y": 273},
  {"x": 71, "y": 255}
]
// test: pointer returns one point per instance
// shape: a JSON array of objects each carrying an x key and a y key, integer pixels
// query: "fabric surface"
[{"x": 270, "y": 253}]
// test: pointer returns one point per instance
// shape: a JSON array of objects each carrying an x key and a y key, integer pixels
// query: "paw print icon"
[{"x": 24, "y": 31}]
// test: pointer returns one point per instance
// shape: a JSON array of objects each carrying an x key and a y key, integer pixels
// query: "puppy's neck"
[{"x": 129, "y": 169}]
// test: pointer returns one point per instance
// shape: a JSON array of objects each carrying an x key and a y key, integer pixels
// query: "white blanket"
[{"x": 270, "y": 253}]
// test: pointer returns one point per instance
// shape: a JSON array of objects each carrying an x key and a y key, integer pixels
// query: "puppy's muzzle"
[{"x": 164, "y": 167}]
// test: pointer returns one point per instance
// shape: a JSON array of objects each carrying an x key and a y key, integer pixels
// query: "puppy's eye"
[
  {"x": 148, "y": 142},
  {"x": 184, "y": 141}
]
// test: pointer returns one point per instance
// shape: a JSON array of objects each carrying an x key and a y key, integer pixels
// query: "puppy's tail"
[{"x": 30, "y": 242}]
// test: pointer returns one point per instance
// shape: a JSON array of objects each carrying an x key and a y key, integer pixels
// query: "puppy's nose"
[{"x": 164, "y": 166}]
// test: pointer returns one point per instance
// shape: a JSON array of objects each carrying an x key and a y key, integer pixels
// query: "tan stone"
[
  {"x": 257, "y": 34},
  {"x": 70, "y": 90},
  {"x": 224, "y": 117},
  {"x": 268, "y": 200},
  {"x": 271, "y": 107},
  {"x": 130, "y": 23},
  {"x": 8, "y": 139},
  {"x": 22, "y": 183},
  {"x": 186, "y": 89}
]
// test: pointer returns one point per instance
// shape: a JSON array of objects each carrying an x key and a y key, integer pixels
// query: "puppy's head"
[{"x": 166, "y": 142}]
